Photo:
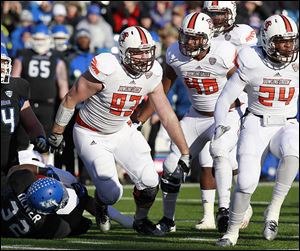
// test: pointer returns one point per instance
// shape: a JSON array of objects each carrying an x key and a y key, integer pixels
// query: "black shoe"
[
  {"x": 145, "y": 226},
  {"x": 166, "y": 225},
  {"x": 222, "y": 219},
  {"x": 101, "y": 215}
]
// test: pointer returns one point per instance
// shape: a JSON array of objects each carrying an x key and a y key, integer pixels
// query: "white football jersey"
[
  {"x": 239, "y": 36},
  {"x": 109, "y": 109},
  {"x": 204, "y": 79},
  {"x": 270, "y": 91}
]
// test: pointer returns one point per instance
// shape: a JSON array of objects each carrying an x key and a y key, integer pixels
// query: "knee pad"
[
  {"x": 145, "y": 198},
  {"x": 149, "y": 177},
  {"x": 171, "y": 182},
  {"x": 289, "y": 146},
  {"x": 109, "y": 192},
  {"x": 246, "y": 184}
]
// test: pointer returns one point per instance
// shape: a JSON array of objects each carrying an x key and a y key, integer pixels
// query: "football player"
[
  {"x": 223, "y": 14},
  {"x": 270, "y": 75},
  {"x": 16, "y": 110},
  {"x": 205, "y": 66},
  {"x": 112, "y": 90}
]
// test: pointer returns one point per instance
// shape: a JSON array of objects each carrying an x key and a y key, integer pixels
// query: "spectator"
[
  {"x": 20, "y": 36},
  {"x": 59, "y": 14},
  {"x": 100, "y": 30},
  {"x": 161, "y": 14},
  {"x": 42, "y": 11},
  {"x": 127, "y": 15}
]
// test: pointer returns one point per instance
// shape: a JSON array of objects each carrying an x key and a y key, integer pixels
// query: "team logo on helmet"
[
  {"x": 123, "y": 36},
  {"x": 267, "y": 24}
]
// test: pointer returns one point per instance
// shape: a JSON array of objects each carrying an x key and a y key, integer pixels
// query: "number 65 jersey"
[
  {"x": 108, "y": 110},
  {"x": 206, "y": 78},
  {"x": 272, "y": 91}
]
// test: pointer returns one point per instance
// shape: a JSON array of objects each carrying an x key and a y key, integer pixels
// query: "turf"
[{"x": 188, "y": 211}]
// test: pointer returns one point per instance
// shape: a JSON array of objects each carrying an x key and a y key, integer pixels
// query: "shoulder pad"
[
  {"x": 104, "y": 63},
  {"x": 248, "y": 57},
  {"x": 246, "y": 34},
  {"x": 157, "y": 69}
]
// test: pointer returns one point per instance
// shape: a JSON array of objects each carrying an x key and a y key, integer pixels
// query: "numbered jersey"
[
  {"x": 240, "y": 35},
  {"x": 270, "y": 91},
  {"x": 40, "y": 72},
  {"x": 108, "y": 110},
  {"x": 204, "y": 79},
  {"x": 13, "y": 96},
  {"x": 18, "y": 219}
]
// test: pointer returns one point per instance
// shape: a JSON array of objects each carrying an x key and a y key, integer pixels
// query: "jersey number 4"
[
  {"x": 274, "y": 95},
  {"x": 118, "y": 103},
  {"x": 206, "y": 86}
]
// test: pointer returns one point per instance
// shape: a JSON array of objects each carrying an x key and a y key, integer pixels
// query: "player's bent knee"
[
  {"x": 289, "y": 147},
  {"x": 149, "y": 177},
  {"x": 246, "y": 186},
  {"x": 109, "y": 192},
  {"x": 145, "y": 198},
  {"x": 171, "y": 182}
]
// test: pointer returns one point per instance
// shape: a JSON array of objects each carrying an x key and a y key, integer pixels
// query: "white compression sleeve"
[{"x": 233, "y": 88}]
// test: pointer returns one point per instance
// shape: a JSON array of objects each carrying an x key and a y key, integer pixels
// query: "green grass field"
[{"x": 188, "y": 211}]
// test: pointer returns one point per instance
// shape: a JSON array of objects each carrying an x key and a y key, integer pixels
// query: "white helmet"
[
  {"x": 276, "y": 28},
  {"x": 197, "y": 28},
  {"x": 41, "y": 39},
  {"x": 228, "y": 8},
  {"x": 5, "y": 65},
  {"x": 136, "y": 40}
]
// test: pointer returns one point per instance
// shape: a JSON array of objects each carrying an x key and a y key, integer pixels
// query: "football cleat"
[
  {"x": 270, "y": 230},
  {"x": 102, "y": 218},
  {"x": 166, "y": 225},
  {"x": 206, "y": 223},
  {"x": 247, "y": 218},
  {"x": 227, "y": 240},
  {"x": 146, "y": 227},
  {"x": 222, "y": 219}
]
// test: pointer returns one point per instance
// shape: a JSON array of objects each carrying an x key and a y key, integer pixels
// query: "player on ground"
[
  {"x": 270, "y": 77},
  {"x": 112, "y": 89}
]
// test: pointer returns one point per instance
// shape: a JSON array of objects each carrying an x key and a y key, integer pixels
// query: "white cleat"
[
  {"x": 206, "y": 223},
  {"x": 227, "y": 241},
  {"x": 270, "y": 230},
  {"x": 247, "y": 218}
]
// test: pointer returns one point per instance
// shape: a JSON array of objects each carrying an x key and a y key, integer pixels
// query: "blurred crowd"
[
  {"x": 104, "y": 19},
  {"x": 81, "y": 29}
]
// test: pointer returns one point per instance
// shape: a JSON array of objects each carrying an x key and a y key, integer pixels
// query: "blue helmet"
[
  {"x": 41, "y": 39},
  {"x": 5, "y": 65},
  {"x": 47, "y": 195},
  {"x": 60, "y": 37}
]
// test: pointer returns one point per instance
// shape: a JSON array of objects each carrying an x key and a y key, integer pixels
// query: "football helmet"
[
  {"x": 216, "y": 9},
  {"x": 195, "y": 34},
  {"x": 137, "y": 49},
  {"x": 277, "y": 29},
  {"x": 5, "y": 65},
  {"x": 47, "y": 195},
  {"x": 60, "y": 36},
  {"x": 41, "y": 39}
]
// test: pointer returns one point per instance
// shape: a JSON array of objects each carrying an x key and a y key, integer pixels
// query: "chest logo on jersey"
[
  {"x": 148, "y": 74},
  {"x": 212, "y": 60},
  {"x": 9, "y": 93},
  {"x": 196, "y": 74},
  {"x": 295, "y": 67},
  {"x": 133, "y": 89},
  {"x": 271, "y": 81},
  {"x": 227, "y": 37}
]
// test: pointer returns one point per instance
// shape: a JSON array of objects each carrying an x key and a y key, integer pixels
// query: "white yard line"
[{"x": 29, "y": 247}]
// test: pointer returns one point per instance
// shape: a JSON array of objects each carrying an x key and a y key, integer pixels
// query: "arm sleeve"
[{"x": 233, "y": 88}]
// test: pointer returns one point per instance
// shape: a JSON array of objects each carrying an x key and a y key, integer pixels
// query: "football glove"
[
  {"x": 40, "y": 144},
  {"x": 56, "y": 143},
  {"x": 80, "y": 190},
  {"x": 184, "y": 164}
]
